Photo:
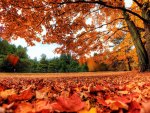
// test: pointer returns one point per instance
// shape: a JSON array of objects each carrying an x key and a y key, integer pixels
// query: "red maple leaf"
[
  {"x": 71, "y": 104},
  {"x": 24, "y": 95},
  {"x": 134, "y": 107},
  {"x": 101, "y": 101},
  {"x": 97, "y": 88},
  {"x": 1, "y": 88}
]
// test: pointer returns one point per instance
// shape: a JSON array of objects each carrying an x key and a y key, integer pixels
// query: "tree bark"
[
  {"x": 128, "y": 64},
  {"x": 136, "y": 38},
  {"x": 146, "y": 15}
]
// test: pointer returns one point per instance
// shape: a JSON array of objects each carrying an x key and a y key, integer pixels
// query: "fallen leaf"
[
  {"x": 24, "y": 95},
  {"x": 8, "y": 106},
  {"x": 145, "y": 107},
  {"x": 24, "y": 108},
  {"x": 71, "y": 104},
  {"x": 57, "y": 107},
  {"x": 124, "y": 99},
  {"x": 41, "y": 95},
  {"x": 117, "y": 105},
  {"x": 42, "y": 105},
  {"x": 4, "y": 94},
  {"x": 109, "y": 101},
  {"x": 1, "y": 88},
  {"x": 65, "y": 94},
  {"x": 92, "y": 110},
  {"x": 97, "y": 88},
  {"x": 101, "y": 101},
  {"x": 134, "y": 107},
  {"x": 87, "y": 105},
  {"x": 2, "y": 110},
  {"x": 123, "y": 92}
]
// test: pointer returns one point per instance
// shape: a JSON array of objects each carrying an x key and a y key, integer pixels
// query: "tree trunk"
[
  {"x": 128, "y": 64},
  {"x": 136, "y": 38},
  {"x": 146, "y": 15}
]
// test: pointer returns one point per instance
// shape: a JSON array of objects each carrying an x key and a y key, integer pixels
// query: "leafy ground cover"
[{"x": 118, "y": 93}]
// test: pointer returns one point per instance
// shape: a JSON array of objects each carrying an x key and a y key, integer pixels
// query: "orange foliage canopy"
[{"x": 67, "y": 22}]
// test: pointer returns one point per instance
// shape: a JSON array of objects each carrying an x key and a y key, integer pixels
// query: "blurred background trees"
[
  {"x": 65, "y": 63},
  {"x": 9, "y": 52}
]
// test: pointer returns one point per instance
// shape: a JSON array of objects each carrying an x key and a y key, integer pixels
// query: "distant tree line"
[{"x": 64, "y": 63}]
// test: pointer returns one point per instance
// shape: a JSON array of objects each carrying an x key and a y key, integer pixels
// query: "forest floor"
[{"x": 90, "y": 92}]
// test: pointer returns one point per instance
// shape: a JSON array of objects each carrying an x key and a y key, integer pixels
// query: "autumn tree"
[{"x": 65, "y": 23}]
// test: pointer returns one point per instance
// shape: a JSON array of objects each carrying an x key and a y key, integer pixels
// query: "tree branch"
[
  {"x": 139, "y": 4},
  {"x": 91, "y": 12},
  {"x": 99, "y": 27},
  {"x": 115, "y": 33},
  {"x": 104, "y": 4}
]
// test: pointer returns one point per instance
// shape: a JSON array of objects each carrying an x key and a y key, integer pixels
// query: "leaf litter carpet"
[{"x": 125, "y": 93}]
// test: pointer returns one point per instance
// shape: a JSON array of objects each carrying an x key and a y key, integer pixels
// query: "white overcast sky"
[{"x": 39, "y": 49}]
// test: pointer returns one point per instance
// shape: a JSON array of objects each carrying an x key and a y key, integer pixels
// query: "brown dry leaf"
[{"x": 41, "y": 95}]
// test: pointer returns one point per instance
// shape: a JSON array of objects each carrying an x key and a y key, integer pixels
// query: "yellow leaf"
[
  {"x": 92, "y": 110},
  {"x": 123, "y": 92},
  {"x": 87, "y": 106},
  {"x": 6, "y": 93},
  {"x": 77, "y": 89}
]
